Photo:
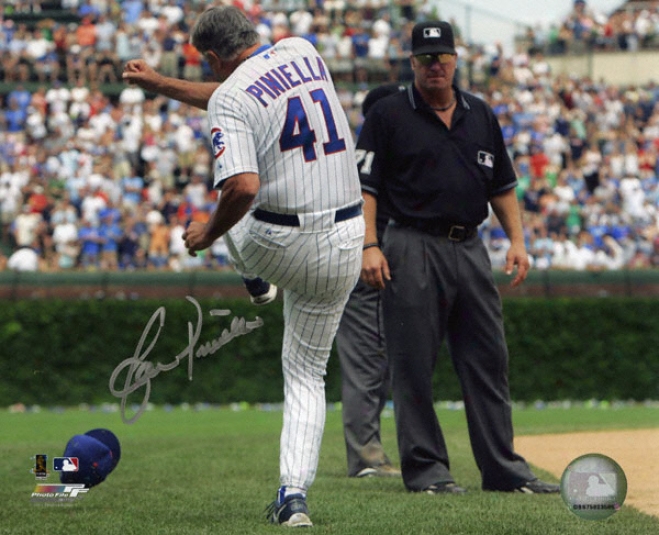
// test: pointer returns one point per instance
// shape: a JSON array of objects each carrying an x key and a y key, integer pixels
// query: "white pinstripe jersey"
[{"x": 278, "y": 115}]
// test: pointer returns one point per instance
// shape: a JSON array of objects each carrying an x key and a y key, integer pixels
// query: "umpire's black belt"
[
  {"x": 439, "y": 228},
  {"x": 292, "y": 220}
]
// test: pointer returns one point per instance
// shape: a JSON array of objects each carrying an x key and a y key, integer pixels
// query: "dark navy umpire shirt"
[{"x": 421, "y": 170}]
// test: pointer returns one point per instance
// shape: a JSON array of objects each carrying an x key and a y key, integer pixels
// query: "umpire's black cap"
[{"x": 433, "y": 37}]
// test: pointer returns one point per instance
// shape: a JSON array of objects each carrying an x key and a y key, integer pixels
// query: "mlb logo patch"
[
  {"x": 486, "y": 159},
  {"x": 65, "y": 464},
  {"x": 432, "y": 33},
  {"x": 217, "y": 140},
  {"x": 593, "y": 485}
]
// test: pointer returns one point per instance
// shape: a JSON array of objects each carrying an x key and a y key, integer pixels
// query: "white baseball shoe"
[
  {"x": 292, "y": 512},
  {"x": 261, "y": 292}
]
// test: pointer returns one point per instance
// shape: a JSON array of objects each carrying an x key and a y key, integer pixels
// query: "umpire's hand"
[
  {"x": 517, "y": 257},
  {"x": 375, "y": 268}
]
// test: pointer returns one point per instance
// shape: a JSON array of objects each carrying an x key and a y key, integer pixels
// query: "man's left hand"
[{"x": 517, "y": 256}]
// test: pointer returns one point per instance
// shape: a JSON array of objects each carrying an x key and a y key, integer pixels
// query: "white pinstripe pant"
[{"x": 317, "y": 266}]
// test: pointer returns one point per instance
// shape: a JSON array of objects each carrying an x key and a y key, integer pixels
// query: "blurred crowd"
[
  {"x": 362, "y": 40},
  {"x": 96, "y": 181}
]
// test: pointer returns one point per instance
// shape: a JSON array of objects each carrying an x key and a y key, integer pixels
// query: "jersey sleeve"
[
  {"x": 371, "y": 151},
  {"x": 504, "y": 173},
  {"x": 232, "y": 138}
]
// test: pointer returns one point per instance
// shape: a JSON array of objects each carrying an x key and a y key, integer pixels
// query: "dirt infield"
[{"x": 636, "y": 451}]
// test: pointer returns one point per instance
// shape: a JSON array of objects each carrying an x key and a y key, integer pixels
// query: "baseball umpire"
[
  {"x": 360, "y": 344},
  {"x": 435, "y": 156}
]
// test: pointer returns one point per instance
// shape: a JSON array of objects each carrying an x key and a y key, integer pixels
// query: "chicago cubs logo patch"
[
  {"x": 486, "y": 159},
  {"x": 217, "y": 140}
]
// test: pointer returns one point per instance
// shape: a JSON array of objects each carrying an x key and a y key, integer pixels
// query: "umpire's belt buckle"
[{"x": 457, "y": 233}]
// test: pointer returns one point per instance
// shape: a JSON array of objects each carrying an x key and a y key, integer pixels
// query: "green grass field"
[{"x": 214, "y": 471}]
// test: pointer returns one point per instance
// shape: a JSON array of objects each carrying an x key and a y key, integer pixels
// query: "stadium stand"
[{"x": 97, "y": 175}]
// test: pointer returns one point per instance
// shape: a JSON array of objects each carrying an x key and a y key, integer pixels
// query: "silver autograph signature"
[{"x": 139, "y": 371}]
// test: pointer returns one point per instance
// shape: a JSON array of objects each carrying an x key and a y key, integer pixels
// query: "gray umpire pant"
[
  {"x": 364, "y": 377},
  {"x": 445, "y": 289}
]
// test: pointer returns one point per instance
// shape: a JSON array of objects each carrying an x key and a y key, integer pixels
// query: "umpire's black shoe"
[
  {"x": 446, "y": 487},
  {"x": 292, "y": 512},
  {"x": 535, "y": 486}
]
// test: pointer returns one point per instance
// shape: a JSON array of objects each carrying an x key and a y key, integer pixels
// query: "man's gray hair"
[{"x": 225, "y": 30}]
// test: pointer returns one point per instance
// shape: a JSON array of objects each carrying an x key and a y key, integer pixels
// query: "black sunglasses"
[{"x": 428, "y": 59}]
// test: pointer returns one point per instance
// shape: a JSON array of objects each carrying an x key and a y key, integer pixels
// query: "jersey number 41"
[{"x": 297, "y": 132}]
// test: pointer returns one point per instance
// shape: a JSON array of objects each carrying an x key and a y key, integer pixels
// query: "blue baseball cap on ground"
[{"x": 98, "y": 452}]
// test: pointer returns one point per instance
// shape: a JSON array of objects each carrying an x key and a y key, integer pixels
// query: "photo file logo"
[
  {"x": 62, "y": 494},
  {"x": 47, "y": 493}
]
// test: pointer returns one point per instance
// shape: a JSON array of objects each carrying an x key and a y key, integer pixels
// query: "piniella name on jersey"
[{"x": 281, "y": 79}]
